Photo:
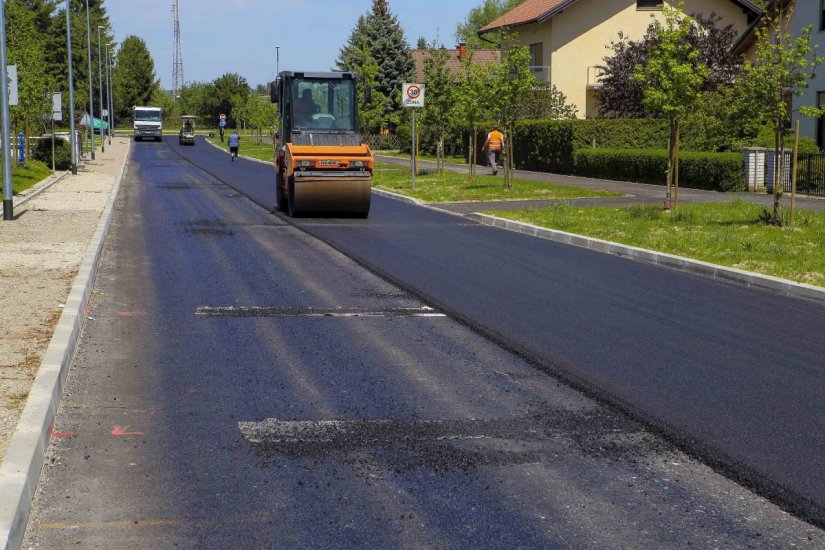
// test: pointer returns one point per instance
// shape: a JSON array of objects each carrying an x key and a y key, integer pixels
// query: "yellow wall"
[{"x": 577, "y": 38}]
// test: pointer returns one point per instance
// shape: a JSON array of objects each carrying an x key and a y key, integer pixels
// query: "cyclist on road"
[{"x": 234, "y": 144}]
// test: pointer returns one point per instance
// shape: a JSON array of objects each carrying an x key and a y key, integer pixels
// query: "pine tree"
[
  {"x": 134, "y": 76},
  {"x": 350, "y": 56},
  {"x": 389, "y": 48}
]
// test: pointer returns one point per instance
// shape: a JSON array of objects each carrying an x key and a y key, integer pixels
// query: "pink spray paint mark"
[
  {"x": 59, "y": 435},
  {"x": 122, "y": 430},
  {"x": 152, "y": 411},
  {"x": 130, "y": 313},
  {"x": 191, "y": 391}
]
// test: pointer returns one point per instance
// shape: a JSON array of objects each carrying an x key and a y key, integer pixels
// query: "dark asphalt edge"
[
  {"x": 26, "y": 453},
  {"x": 776, "y": 285},
  {"x": 796, "y": 505}
]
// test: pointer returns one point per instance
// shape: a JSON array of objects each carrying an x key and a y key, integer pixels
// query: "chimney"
[{"x": 462, "y": 51}]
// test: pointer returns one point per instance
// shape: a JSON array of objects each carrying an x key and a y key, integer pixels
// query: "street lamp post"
[
  {"x": 109, "y": 91},
  {"x": 72, "y": 136},
  {"x": 100, "y": 87},
  {"x": 8, "y": 193},
  {"x": 91, "y": 91}
]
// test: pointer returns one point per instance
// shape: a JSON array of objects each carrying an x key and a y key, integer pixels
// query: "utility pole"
[
  {"x": 100, "y": 87},
  {"x": 8, "y": 192},
  {"x": 72, "y": 136},
  {"x": 109, "y": 92},
  {"x": 91, "y": 92}
]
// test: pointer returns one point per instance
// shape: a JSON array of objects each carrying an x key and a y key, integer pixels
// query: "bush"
[
  {"x": 712, "y": 171},
  {"x": 42, "y": 151},
  {"x": 766, "y": 139}
]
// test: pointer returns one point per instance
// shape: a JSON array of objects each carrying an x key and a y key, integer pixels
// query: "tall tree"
[
  {"x": 671, "y": 81},
  {"x": 621, "y": 95},
  {"x": 26, "y": 49},
  {"x": 350, "y": 57},
  {"x": 487, "y": 12},
  {"x": 134, "y": 76},
  {"x": 231, "y": 90}
]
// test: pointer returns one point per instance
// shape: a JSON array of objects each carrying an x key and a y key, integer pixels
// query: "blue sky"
[{"x": 220, "y": 36}]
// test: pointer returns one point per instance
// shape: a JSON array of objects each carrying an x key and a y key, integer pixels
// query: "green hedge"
[
  {"x": 712, "y": 171},
  {"x": 42, "y": 151}
]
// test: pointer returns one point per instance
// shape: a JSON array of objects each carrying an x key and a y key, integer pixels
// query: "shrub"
[
  {"x": 766, "y": 139},
  {"x": 712, "y": 171},
  {"x": 42, "y": 151}
]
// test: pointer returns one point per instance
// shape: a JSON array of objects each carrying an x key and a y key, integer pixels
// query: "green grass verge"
[
  {"x": 25, "y": 178},
  {"x": 729, "y": 234},
  {"x": 452, "y": 187},
  {"x": 247, "y": 149},
  {"x": 431, "y": 158}
]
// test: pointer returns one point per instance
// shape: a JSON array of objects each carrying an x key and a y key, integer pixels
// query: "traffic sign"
[
  {"x": 412, "y": 95},
  {"x": 12, "y": 75},
  {"x": 223, "y": 116},
  {"x": 57, "y": 106}
]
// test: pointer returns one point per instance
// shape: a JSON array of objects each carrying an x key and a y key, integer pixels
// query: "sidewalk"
[
  {"x": 40, "y": 255},
  {"x": 636, "y": 192}
]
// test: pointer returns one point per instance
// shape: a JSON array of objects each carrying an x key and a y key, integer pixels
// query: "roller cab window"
[{"x": 321, "y": 104}]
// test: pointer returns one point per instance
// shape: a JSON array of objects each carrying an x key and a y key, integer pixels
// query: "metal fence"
[{"x": 810, "y": 175}]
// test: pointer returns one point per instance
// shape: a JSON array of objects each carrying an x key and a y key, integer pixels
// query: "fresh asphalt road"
[{"x": 241, "y": 383}]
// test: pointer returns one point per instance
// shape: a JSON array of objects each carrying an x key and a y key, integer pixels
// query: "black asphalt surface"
[{"x": 242, "y": 383}]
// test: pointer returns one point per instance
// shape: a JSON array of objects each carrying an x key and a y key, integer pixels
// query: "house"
[
  {"x": 569, "y": 38},
  {"x": 454, "y": 59},
  {"x": 802, "y": 14}
]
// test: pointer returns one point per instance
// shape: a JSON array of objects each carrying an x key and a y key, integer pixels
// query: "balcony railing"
[{"x": 594, "y": 77}]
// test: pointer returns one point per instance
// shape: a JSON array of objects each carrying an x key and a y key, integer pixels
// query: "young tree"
[
  {"x": 439, "y": 109},
  {"x": 671, "y": 81},
  {"x": 621, "y": 95},
  {"x": 231, "y": 91},
  {"x": 134, "y": 76},
  {"x": 783, "y": 67},
  {"x": 511, "y": 82},
  {"x": 472, "y": 101}
]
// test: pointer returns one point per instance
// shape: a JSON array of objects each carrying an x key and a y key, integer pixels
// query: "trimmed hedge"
[
  {"x": 42, "y": 151},
  {"x": 711, "y": 171}
]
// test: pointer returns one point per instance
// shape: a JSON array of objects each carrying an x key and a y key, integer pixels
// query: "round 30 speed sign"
[{"x": 412, "y": 95}]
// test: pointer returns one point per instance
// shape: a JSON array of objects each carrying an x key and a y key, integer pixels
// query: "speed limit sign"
[{"x": 412, "y": 95}]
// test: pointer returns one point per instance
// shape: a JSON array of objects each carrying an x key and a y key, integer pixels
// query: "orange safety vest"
[{"x": 495, "y": 139}]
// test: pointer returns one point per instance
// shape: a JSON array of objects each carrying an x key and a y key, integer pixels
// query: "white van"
[{"x": 148, "y": 122}]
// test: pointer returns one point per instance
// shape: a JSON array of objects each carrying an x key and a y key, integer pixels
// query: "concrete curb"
[
  {"x": 240, "y": 156},
  {"x": 39, "y": 187},
  {"x": 402, "y": 198},
  {"x": 20, "y": 471},
  {"x": 696, "y": 267}
]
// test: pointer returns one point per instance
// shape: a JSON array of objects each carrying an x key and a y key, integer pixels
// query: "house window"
[
  {"x": 537, "y": 56},
  {"x": 648, "y": 4},
  {"x": 821, "y": 15},
  {"x": 820, "y": 124}
]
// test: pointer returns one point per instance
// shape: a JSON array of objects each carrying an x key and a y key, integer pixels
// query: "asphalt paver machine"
[{"x": 321, "y": 165}]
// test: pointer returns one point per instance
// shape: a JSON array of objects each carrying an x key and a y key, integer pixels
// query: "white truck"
[{"x": 148, "y": 123}]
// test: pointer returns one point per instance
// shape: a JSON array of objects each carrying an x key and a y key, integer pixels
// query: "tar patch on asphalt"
[
  {"x": 456, "y": 445},
  {"x": 315, "y": 312}
]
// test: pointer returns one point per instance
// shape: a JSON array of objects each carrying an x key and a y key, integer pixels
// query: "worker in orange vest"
[{"x": 494, "y": 145}]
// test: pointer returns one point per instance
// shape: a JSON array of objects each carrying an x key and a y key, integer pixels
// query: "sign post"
[
  {"x": 222, "y": 125},
  {"x": 5, "y": 92},
  {"x": 412, "y": 97},
  {"x": 57, "y": 114}
]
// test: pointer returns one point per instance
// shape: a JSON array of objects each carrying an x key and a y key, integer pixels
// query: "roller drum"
[{"x": 330, "y": 194}]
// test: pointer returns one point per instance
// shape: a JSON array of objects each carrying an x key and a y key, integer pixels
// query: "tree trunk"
[
  {"x": 676, "y": 166},
  {"x": 671, "y": 142},
  {"x": 794, "y": 166},
  {"x": 777, "y": 171}
]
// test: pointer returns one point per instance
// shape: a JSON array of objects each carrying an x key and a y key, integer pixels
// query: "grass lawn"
[
  {"x": 248, "y": 149},
  {"x": 431, "y": 158},
  {"x": 25, "y": 178},
  {"x": 729, "y": 234},
  {"x": 452, "y": 187}
]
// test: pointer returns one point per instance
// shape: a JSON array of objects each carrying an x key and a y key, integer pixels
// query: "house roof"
[
  {"x": 453, "y": 63},
  {"x": 749, "y": 35},
  {"x": 539, "y": 11}
]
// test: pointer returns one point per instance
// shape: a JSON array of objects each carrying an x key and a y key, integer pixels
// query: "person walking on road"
[
  {"x": 234, "y": 144},
  {"x": 494, "y": 145}
]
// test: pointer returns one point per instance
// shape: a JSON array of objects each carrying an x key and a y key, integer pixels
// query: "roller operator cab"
[{"x": 321, "y": 165}]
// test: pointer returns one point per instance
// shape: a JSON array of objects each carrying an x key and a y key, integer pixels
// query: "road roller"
[{"x": 322, "y": 168}]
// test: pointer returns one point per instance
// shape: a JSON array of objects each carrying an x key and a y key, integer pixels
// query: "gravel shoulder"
[{"x": 40, "y": 256}]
